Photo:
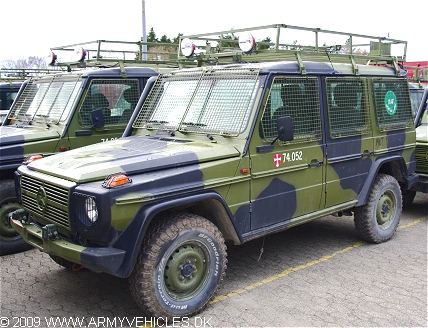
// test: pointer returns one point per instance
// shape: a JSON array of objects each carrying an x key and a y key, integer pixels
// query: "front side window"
[
  {"x": 297, "y": 97},
  {"x": 117, "y": 99},
  {"x": 216, "y": 101}
]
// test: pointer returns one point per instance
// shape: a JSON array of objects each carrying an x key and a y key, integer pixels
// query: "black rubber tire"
[
  {"x": 408, "y": 197},
  {"x": 378, "y": 219},
  {"x": 10, "y": 241},
  {"x": 180, "y": 268}
]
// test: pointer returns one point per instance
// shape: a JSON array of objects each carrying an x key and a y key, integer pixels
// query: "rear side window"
[
  {"x": 347, "y": 107},
  {"x": 392, "y": 101}
]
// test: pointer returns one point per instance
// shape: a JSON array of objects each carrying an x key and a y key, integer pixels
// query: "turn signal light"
[
  {"x": 31, "y": 159},
  {"x": 116, "y": 180}
]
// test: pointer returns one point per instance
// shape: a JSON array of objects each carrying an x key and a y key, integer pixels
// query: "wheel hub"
[
  {"x": 186, "y": 271},
  {"x": 385, "y": 212}
]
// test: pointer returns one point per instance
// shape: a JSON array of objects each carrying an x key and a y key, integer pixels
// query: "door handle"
[{"x": 315, "y": 163}]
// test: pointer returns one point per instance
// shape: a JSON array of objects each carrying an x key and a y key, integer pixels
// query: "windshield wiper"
[{"x": 162, "y": 124}]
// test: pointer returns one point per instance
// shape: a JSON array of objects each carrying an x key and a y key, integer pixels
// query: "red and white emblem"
[{"x": 277, "y": 160}]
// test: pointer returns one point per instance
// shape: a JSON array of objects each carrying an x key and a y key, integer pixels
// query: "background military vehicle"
[
  {"x": 227, "y": 153},
  {"x": 8, "y": 92},
  {"x": 418, "y": 77},
  {"x": 52, "y": 113},
  {"x": 421, "y": 124}
]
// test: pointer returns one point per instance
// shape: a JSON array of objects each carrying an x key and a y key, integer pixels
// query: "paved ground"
[{"x": 316, "y": 275}]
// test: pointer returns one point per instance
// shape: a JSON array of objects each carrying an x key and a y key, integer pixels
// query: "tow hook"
[
  {"x": 50, "y": 232},
  {"x": 19, "y": 215}
]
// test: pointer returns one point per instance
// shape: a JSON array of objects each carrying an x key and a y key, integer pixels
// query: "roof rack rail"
[
  {"x": 108, "y": 53},
  {"x": 287, "y": 42},
  {"x": 21, "y": 74}
]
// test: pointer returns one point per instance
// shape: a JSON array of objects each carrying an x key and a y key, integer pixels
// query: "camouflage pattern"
[
  {"x": 52, "y": 114},
  {"x": 224, "y": 163}
]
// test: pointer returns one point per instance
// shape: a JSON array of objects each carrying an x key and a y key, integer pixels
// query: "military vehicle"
[
  {"x": 421, "y": 124},
  {"x": 52, "y": 114},
  {"x": 219, "y": 154},
  {"x": 8, "y": 92}
]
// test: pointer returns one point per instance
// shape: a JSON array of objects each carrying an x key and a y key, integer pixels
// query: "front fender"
[{"x": 132, "y": 237}]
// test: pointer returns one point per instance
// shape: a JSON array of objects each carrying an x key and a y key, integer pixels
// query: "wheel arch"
[
  {"x": 394, "y": 166},
  {"x": 209, "y": 205}
]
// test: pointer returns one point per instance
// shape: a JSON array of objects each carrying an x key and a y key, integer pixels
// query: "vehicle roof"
[
  {"x": 10, "y": 85},
  {"x": 111, "y": 72},
  {"x": 316, "y": 68}
]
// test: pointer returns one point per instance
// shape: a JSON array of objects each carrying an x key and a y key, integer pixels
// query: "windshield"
[
  {"x": 48, "y": 99},
  {"x": 216, "y": 101}
]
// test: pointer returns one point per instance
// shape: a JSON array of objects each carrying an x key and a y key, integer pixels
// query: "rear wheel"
[
  {"x": 10, "y": 241},
  {"x": 378, "y": 219},
  {"x": 180, "y": 267}
]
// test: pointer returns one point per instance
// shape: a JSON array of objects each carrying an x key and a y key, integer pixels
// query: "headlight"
[{"x": 91, "y": 209}]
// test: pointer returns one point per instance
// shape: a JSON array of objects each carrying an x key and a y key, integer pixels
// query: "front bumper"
[{"x": 98, "y": 259}]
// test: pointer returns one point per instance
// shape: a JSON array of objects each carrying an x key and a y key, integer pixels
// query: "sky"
[{"x": 32, "y": 27}]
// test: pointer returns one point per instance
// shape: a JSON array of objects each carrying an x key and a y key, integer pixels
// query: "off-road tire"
[
  {"x": 377, "y": 220},
  {"x": 10, "y": 241},
  {"x": 180, "y": 267}
]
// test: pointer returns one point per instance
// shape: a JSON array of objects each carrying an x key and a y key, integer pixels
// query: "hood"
[
  {"x": 131, "y": 155},
  {"x": 422, "y": 133},
  {"x": 11, "y": 134}
]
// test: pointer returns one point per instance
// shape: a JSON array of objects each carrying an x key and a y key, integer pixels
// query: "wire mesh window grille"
[
  {"x": 116, "y": 97},
  {"x": 392, "y": 101},
  {"x": 297, "y": 97},
  {"x": 348, "y": 108},
  {"x": 216, "y": 101},
  {"x": 48, "y": 99}
]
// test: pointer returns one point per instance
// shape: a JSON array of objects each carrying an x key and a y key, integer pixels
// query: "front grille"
[
  {"x": 422, "y": 159},
  {"x": 46, "y": 200}
]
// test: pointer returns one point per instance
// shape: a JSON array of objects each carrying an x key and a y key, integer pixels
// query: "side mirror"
[
  {"x": 97, "y": 118},
  {"x": 285, "y": 128}
]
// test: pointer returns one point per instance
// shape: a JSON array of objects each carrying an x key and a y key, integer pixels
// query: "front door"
[{"x": 287, "y": 177}]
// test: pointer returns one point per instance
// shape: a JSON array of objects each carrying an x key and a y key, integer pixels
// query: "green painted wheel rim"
[
  {"x": 7, "y": 233},
  {"x": 385, "y": 210},
  {"x": 186, "y": 270}
]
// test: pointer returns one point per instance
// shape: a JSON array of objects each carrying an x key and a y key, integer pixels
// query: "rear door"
[{"x": 349, "y": 138}]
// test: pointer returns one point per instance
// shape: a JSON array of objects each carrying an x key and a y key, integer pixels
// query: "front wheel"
[
  {"x": 10, "y": 241},
  {"x": 180, "y": 267},
  {"x": 377, "y": 220}
]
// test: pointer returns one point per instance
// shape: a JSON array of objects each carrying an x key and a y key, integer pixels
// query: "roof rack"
[
  {"x": 287, "y": 42},
  {"x": 280, "y": 42}
]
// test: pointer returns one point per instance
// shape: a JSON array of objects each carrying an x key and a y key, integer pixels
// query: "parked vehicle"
[
  {"x": 227, "y": 153},
  {"x": 53, "y": 114},
  {"x": 8, "y": 92},
  {"x": 421, "y": 154}
]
